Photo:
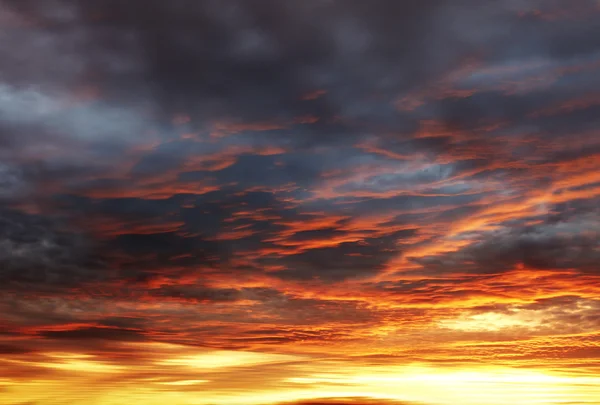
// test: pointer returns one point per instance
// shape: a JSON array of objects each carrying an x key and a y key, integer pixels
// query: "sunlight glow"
[{"x": 225, "y": 359}]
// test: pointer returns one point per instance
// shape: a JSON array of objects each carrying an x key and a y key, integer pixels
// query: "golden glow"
[
  {"x": 491, "y": 321},
  {"x": 183, "y": 382},
  {"x": 224, "y": 359},
  {"x": 69, "y": 364},
  {"x": 84, "y": 366},
  {"x": 250, "y": 383}
]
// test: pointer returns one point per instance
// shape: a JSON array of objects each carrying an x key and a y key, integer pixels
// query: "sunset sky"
[{"x": 299, "y": 202}]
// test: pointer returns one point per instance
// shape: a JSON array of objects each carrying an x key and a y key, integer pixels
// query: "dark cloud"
[
  {"x": 8, "y": 349},
  {"x": 258, "y": 58},
  {"x": 122, "y": 322},
  {"x": 197, "y": 293},
  {"x": 38, "y": 251},
  {"x": 554, "y": 245},
  {"x": 346, "y": 260},
  {"x": 95, "y": 333}
]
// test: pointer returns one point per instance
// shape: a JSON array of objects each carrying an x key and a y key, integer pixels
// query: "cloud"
[
  {"x": 34, "y": 250},
  {"x": 348, "y": 259},
  {"x": 94, "y": 333},
  {"x": 554, "y": 244}
]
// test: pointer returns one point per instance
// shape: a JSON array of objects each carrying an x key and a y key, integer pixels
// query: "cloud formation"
[{"x": 405, "y": 181}]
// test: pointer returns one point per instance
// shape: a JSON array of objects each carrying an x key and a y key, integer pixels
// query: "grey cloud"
[
  {"x": 35, "y": 250},
  {"x": 556, "y": 244},
  {"x": 346, "y": 260}
]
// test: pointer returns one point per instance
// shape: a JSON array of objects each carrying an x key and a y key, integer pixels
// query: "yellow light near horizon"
[
  {"x": 66, "y": 355},
  {"x": 225, "y": 359},
  {"x": 84, "y": 366},
  {"x": 183, "y": 382},
  {"x": 492, "y": 322},
  {"x": 67, "y": 364},
  {"x": 182, "y": 377},
  {"x": 440, "y": 386}
]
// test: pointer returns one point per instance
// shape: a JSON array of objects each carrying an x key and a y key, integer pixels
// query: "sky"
[{"x": 317, "y": 202}]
